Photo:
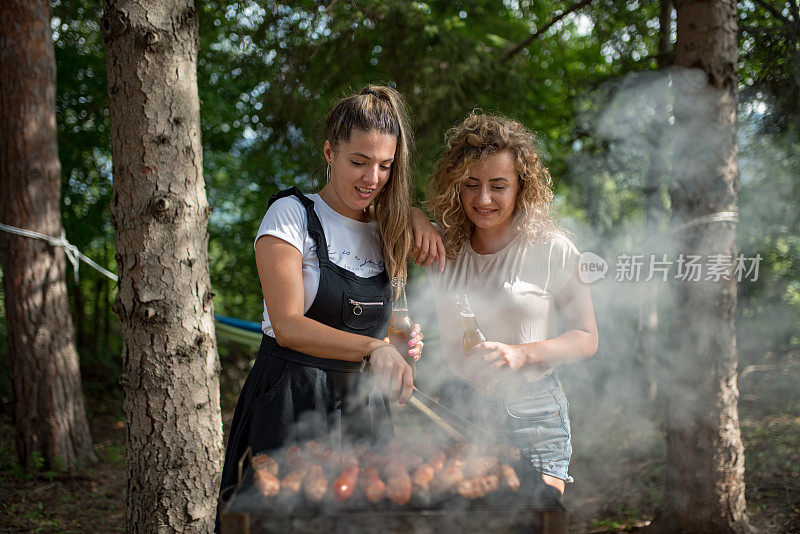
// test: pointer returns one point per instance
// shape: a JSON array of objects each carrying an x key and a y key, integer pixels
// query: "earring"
[{"x": 327, "y": 174}]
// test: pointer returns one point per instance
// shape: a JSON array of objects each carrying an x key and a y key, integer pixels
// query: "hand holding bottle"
[
  {"x": 404, "y": 335},
  {"x": 498, "y": 355}
]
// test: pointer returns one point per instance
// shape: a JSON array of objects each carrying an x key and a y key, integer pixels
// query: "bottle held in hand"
[
  {"x": 472, "y": 332},
  {"x": 401, "y": 325},
  {"x": 473, "y": 335}
]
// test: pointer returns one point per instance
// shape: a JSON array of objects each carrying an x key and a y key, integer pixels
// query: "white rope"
[
  {"x": 73, "y": 254},
  {"x": 720, "y": 216}
]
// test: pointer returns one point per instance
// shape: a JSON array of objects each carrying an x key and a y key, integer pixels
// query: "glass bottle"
[
  {"x": 400, "y": 324},
  {"x": 472, "y": 336},
  {"x": 472, "y": 332}
]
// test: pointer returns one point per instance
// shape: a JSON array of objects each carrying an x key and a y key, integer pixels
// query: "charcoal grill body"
[{"x": 534, "y": 508}]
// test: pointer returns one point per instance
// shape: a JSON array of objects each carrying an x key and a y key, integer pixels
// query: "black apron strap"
[{"x": 314, "y": 224}]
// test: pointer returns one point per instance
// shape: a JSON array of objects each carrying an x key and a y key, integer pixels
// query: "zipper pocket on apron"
[{"x": 357, "y": 310}]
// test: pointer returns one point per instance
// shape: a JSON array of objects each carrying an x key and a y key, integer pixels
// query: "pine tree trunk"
[
  {"x": 705, "y": 457},
  {"x": 98, "y": 292},
  {"x": 164, "y": 302},
  {"x": 79, "y": 311},
  {"x": 49, "y": 406}
]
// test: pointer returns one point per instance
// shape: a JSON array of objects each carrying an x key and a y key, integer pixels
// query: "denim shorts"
[{"x": 534, "y": 418}]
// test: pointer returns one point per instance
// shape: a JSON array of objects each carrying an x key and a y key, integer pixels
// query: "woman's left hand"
[
  {"x": 415, "y": 342},
  {"x": 498, "y": 355}
]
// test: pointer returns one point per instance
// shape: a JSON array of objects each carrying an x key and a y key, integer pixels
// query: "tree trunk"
[
  {"x": 79, "y": 310},
  {"x": 170, "y": 364},
  {"x": 705, "y": 457},
  {"x": 98, "y": 292},
  {"x": 49, "y": 406},
  {"x": 106, "y": 336}
]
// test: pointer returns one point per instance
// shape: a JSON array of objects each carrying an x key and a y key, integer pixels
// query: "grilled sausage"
[
  {"x": 348, "y": 460},
  {"x": 295, "y": 459},
  {"x": 293, "y": 482},
  {"x": 405, "y": 453},
  {"x": 475, "y": 487},
  {"x": 266, "y": 483},
  {"x": 433, "y": 456},
  {"x": 421, "y": 479},
  {"x": 448, "y": 478},
  {"x": 373, "y": 460},
  {"x": 398, "y": 483},
  {"x": 464, "y": 451},
  {"x": 508, "y": 477},
  {"x": 410, "y": 460},
  {"x": 450, "y": 475},
  {"x": 507, "y": 453},
  {"x": 264, "y": 462},
  {"x": 322, "y": 454},
  {"x": 314, "y": 448},
  {"x": 314, "y": 484},
  {"x": 371, "y": 485},
  {"x": 344, "y": 485},
  {"x": 477, "y": 467}
]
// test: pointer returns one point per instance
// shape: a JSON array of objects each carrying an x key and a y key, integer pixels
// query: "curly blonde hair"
[{"x": 478, "y": 136}]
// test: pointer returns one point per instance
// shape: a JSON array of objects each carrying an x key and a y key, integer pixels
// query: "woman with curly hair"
[{"x": 490, "y": 196}]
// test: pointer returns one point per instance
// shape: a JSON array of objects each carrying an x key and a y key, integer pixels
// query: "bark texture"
[
  {"x": 705, "y": 456},
  {"x": 160, "y": 213},
  {"x": 49, "y": 407}
]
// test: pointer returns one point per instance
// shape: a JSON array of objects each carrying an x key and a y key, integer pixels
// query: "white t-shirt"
[
  {"x": 352, "y": 244},
  {"x": 512, "y": 292}
]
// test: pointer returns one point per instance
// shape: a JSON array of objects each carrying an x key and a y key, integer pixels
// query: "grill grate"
[{"x": 535, "y": 507}]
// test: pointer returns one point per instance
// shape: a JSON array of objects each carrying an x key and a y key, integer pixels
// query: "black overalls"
[{"x": 289, "y": 396}]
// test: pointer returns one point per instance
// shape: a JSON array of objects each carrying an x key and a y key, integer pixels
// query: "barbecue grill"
[{"x": 534, "y": 507}]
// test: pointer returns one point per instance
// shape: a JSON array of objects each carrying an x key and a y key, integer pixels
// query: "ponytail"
[{"x": 381, "y": 108}]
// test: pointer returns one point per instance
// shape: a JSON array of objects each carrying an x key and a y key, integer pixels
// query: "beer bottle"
[
  {"x": 472, "y": 336},
  {"x": 400, "y": 325},
  {"x": 472, "y": 332}
]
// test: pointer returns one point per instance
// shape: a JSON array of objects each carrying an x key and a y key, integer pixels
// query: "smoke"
[
  {"x": 621, "y": 175},
  {"x": 624, "y": 178}
]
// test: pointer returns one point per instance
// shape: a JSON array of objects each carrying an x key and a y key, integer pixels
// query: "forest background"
[{"x": 593, "y": 82}]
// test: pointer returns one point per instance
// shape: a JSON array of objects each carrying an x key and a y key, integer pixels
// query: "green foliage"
[
  {"x": 59, "y": 464},
  {"x": 769, "y": 60},
  {"x": 37, "y": 461},
  {"x": 267, "y": 79},
  {"x": 769, "y": 72},
  {"x": 9, "y": 463},
  {"x": 85, "y": 155},
  {"x": 32, "y": 518},
  {"x": 769, "y": 306},
  {"x": 114, "y": 454}
]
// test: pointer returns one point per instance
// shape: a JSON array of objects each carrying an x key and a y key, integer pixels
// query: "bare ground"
[{"x": 617, "y": 471}]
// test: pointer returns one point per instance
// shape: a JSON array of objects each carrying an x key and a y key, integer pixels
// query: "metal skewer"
[
  {"x": 464, "y": 427},
  {"x": 417, "y": 405}
]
